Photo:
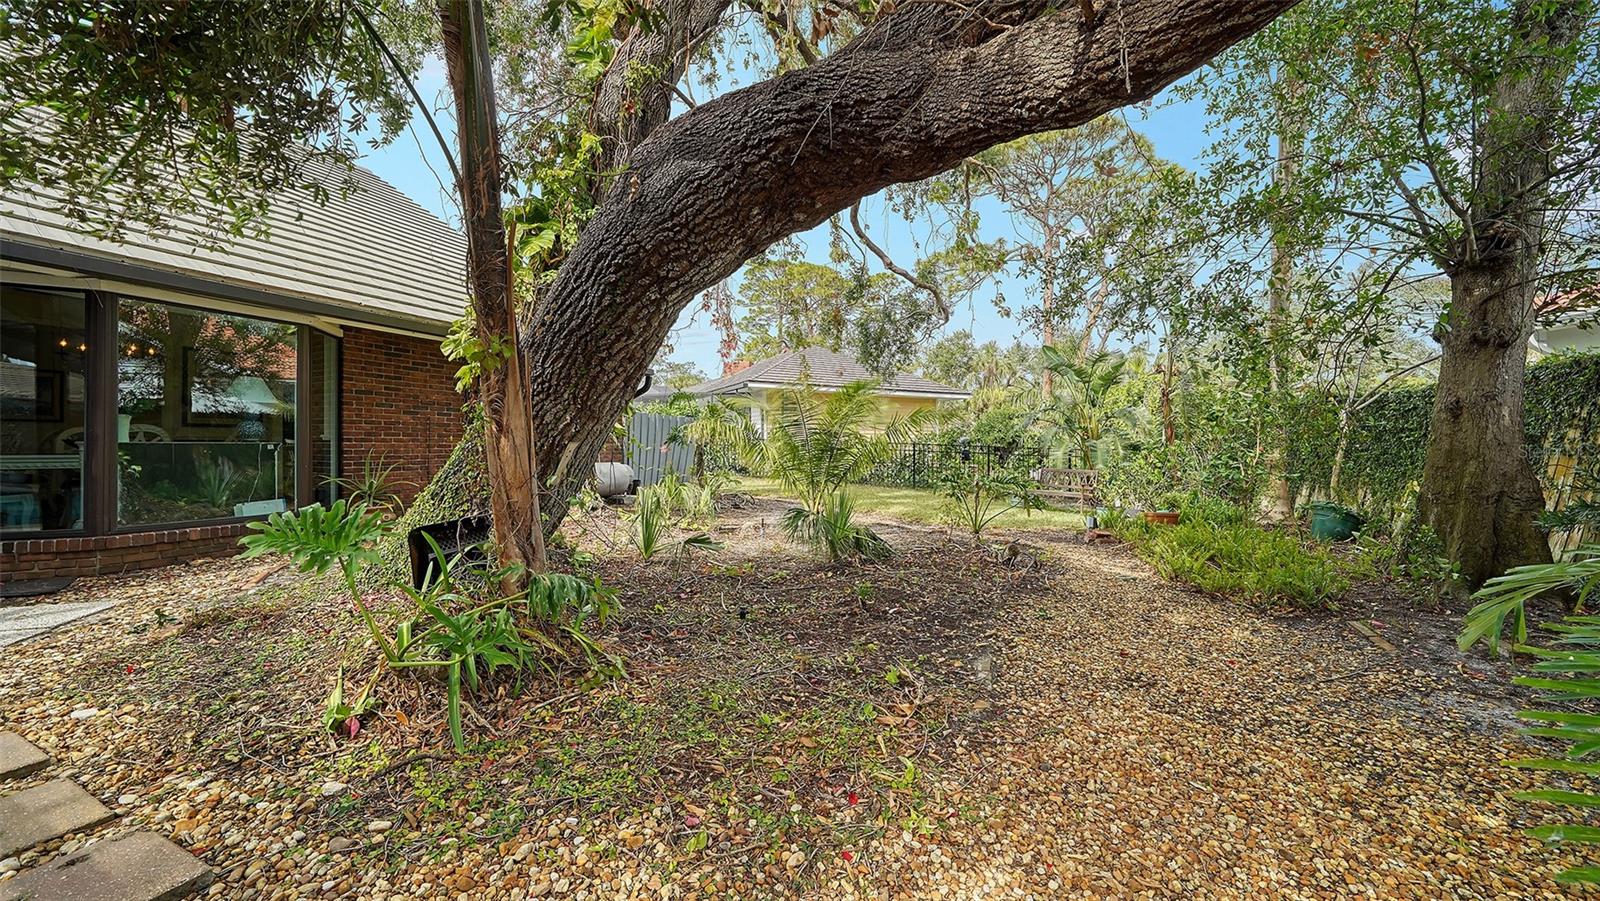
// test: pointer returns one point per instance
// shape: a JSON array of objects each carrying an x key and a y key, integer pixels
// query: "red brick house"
[{"x": 159, "y": 391}]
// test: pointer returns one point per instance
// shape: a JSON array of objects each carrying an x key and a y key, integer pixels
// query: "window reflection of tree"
[{"x": 220, "y": 350}]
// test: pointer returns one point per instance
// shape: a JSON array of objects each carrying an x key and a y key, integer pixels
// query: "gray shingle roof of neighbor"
[
  {"x": 374, "y": 256},
  {"x": 825, "y": 369}
]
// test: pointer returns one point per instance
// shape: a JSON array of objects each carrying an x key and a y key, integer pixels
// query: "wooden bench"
[{"x": 1073, "y": 486}]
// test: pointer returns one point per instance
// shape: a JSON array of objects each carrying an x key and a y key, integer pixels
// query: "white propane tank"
[{"x": 613, "y": 479}]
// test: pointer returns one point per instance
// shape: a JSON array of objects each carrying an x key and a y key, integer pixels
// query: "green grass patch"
[{"x": 919, "y": 505}]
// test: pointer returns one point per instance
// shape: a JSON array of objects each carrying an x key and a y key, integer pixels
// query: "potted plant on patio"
[{"x": 1163, "y": 510}]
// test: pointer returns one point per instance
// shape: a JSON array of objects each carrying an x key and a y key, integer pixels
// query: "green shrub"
[
  {"x": 1243, "y": 561},
  {"x": 974, "y": 499}
]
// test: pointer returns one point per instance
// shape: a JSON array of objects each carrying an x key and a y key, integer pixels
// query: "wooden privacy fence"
[{"x": 648, "y": 447}]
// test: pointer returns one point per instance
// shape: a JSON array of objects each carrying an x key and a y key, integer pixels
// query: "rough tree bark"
[
  {"x": 502, "y": 387},
  {"x": 916, "y": 93},
  {"x": 1479, "y": 491},
  {"x": 626, "y": 109}
]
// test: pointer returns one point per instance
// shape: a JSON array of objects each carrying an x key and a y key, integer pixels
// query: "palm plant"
[
  {"x": 833, "y": 530},
  {"x": 815, "y": 444},
  {"x": 975, "y": 498},
  {"x": 1083, "y": 415},
  {"x": 1506, "y": 597},
  {"x": 1568, "y": 675}
]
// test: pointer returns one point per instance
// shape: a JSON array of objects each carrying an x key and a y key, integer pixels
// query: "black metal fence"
[{"x": 919, "y": 464}]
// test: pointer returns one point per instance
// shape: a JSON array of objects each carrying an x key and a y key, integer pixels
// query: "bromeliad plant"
[
  {"x": 464, "y": 623},
  {"x": 375, "y": 486}
]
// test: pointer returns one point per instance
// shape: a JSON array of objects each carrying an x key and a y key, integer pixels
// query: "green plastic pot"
[{"x": 1331, "y": 522}]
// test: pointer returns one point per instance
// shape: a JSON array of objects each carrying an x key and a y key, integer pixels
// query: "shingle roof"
[
  {"x": 824, "y": 369},
  {"x": 1578, "y": 300},
  {"x": 374, "y": 256}
]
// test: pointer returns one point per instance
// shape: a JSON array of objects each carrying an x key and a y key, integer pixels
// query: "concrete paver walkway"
[
  {"x": 21, "y": 623},
  {"x": 142, "y": 866},
  {"x": 139, "y": 866}
]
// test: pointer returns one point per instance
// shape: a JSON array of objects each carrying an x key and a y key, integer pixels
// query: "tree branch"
[{"x": 889, "y": 263}]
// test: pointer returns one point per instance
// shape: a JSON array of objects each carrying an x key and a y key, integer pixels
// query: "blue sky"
[{"x": 413, "y": 163}]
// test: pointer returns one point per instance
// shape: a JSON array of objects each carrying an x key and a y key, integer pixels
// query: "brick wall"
[
  {"x": 397, "y": 397},
  {"x": 399, "y": 400},
  {"x": 105, "y": 555}
]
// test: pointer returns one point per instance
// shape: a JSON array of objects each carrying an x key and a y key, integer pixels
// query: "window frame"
[{"x": 100, "y": 421}]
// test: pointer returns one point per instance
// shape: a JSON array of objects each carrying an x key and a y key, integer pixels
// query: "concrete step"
[
  {"x": 19, "y": 757},
  {"x": 141, "y": 866},
  {"x": 49, "y": 811}
]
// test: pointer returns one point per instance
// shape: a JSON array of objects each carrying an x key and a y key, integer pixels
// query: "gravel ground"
[{"x": 1051, "y": 721}]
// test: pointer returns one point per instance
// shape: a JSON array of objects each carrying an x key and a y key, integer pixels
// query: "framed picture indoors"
[{"x": 49, "y": 395}]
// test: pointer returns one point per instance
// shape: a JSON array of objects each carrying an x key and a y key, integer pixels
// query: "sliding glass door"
[
  {"x": 44, "y": 351},
  {"x": 122, "y": 414}
]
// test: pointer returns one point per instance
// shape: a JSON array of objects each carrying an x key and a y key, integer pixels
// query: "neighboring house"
[
  {"x": 1569, "y": 322},
  {"x": 824, "y": 370},
  {"x": 156, "y": 392}
]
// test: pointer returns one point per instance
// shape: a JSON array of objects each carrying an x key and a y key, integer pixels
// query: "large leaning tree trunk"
[
  {"x": 1479, "y": 491},
  {"x": 502, "y": 383},
  {"x": 915, "y": 94}
]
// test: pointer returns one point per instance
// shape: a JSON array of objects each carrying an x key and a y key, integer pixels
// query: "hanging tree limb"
[{"x": 889, "y": 263}]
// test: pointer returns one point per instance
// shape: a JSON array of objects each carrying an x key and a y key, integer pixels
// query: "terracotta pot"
[{"x": 1161, "y": 517}]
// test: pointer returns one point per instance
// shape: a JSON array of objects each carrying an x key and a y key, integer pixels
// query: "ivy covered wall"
[{"x": 1384, "y": 453}]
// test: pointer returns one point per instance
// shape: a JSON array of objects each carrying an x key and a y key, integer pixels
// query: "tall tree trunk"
[
  {"x": 1479, "y": 491},
  {"x": 1291, "y": 144},
  {"x": 1047, "y": 303},
  {"x": 1169, "y": 430},
  {"x": 922, "y": 89},
  {"x": 502, "y": 385}
]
